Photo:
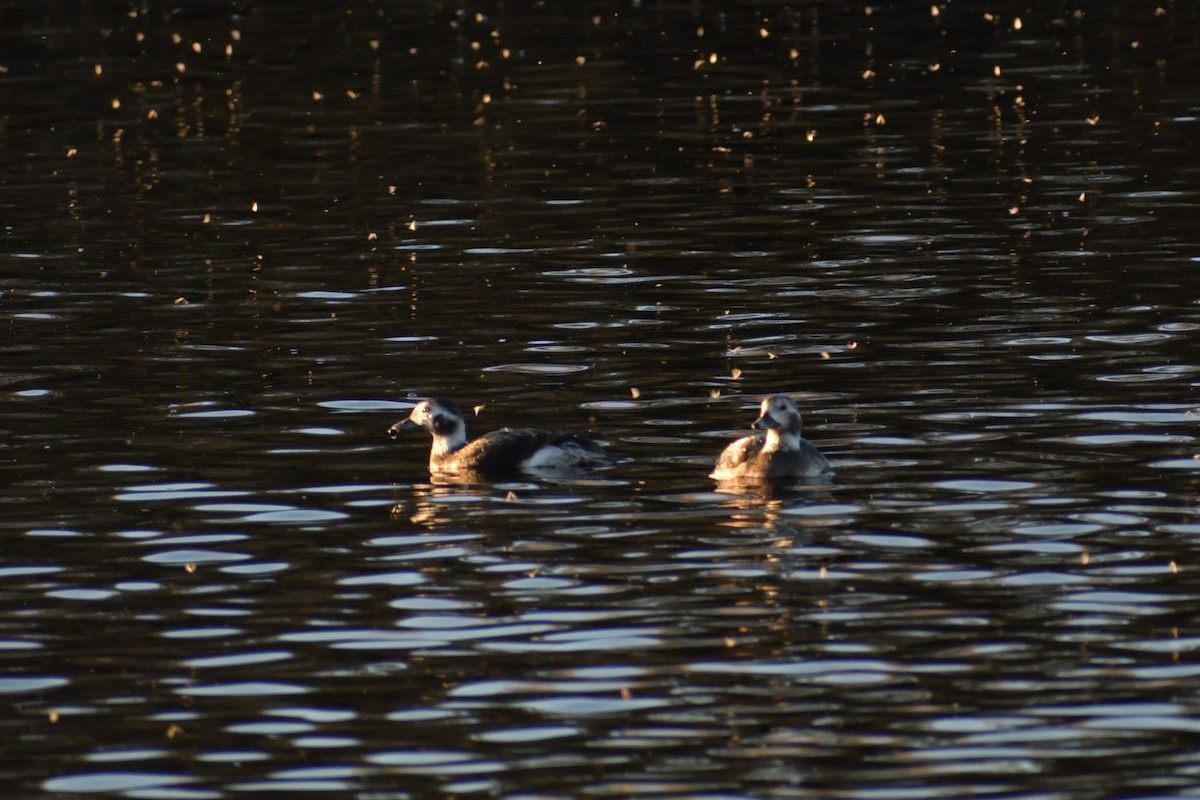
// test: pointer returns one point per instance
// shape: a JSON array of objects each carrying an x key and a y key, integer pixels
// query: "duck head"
[
  {"x": 779, "y": 416},
  {"x": 438, "y": 416}
]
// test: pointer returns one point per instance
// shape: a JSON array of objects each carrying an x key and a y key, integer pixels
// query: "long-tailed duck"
[
  {"x": 779, "y": 453},
  {"x": 506, "y": 451}
]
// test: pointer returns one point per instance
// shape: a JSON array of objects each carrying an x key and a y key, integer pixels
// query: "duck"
[
  {"x": 780, "y": 452},
  {"x": 506, "y": 451}
]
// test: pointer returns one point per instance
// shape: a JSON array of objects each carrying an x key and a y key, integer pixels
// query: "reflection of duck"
[
  {"x": 505, "y": 451},
  {"x": 779, "y": 453}
]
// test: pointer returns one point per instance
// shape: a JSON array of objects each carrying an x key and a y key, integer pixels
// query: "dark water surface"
[{"x": 238, "y": 243}]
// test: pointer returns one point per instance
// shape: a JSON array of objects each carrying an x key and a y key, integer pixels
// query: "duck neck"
[
  {"x": 447, "y": 442},
  {"x": 781, "y": 440}
]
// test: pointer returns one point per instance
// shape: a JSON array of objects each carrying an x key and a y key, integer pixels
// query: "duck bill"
[
  {"x": 765, "y": 422},
  {"x": 403, "y": 425}
]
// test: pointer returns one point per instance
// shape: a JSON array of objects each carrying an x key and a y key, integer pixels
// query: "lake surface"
[{"x": 238, "y": 244}]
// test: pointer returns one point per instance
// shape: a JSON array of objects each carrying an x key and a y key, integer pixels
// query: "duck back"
[
  {"x": 510, "y": 450},
  {"x": 747, "y": 458}
]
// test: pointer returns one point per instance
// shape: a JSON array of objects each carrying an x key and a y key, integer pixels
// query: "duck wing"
[
  {"x": 737, "y": 454},
  {"x": 507, "y": 450}
]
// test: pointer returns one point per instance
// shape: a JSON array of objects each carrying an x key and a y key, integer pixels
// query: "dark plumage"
[
  {"x": 779, "y": 453},
  {"x": 505, "y": 451}
]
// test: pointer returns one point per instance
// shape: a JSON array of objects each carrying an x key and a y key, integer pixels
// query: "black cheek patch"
[{"x": 440, "y": 424}]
